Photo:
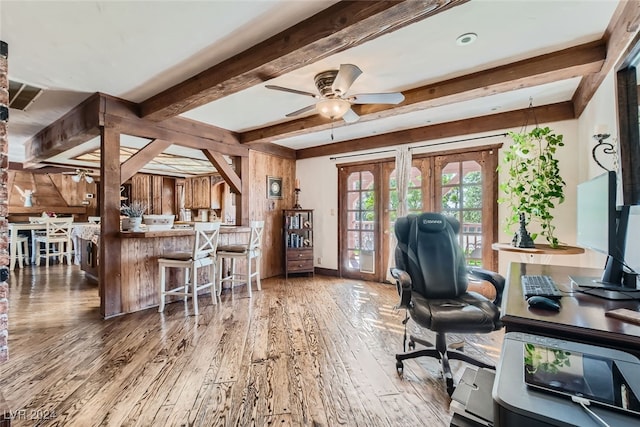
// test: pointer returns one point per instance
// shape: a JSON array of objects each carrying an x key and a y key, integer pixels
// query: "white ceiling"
[{"x": 135, "y": 49}]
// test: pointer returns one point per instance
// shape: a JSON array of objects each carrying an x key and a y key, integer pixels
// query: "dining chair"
[
  {"x": 22, "y": 250},
  {"x": 247, "y": 252},
  {"x": 56, "y": 237},
  {"x": 202, "y": 254}
]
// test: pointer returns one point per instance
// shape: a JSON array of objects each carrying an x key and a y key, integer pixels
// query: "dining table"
[{"x": 78, "y": 230}]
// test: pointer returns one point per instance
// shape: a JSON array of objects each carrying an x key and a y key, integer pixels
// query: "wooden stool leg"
[
  {"x": 257, "y": 261},
  {"x": 212, "y": 278},
  {"x": 194, "y": 289},
  {"x": 186, "y": 284},
  {"x": 249, "y": 273},
  {"x": 162, "y": 289}
]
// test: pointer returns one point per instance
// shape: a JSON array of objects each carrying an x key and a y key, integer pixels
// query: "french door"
[{"x": 456, "y": 183}]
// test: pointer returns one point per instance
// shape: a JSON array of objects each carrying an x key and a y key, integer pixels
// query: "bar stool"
[
  {"x": 249, "y": 251},
  {"x": 203, "y": 254}
]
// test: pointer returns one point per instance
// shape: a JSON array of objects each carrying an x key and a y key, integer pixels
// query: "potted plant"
[
  {"x": 133, "y": 212},
  {"x": 533, "y": 185}
]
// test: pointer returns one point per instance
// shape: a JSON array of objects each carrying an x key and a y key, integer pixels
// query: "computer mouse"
[{"x": 543, "y": 302}]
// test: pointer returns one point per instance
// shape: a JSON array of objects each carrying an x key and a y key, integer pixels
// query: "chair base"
[{"x": 441, "y": 352}]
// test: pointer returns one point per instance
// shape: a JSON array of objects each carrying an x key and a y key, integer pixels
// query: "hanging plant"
[{"x": 533, "y": 185}]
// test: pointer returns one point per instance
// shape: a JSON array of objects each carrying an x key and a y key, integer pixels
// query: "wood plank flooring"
[{"x": 303, "y": 352}]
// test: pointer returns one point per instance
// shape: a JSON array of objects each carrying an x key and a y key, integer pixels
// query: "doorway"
[{"x": 460, "y": 183}]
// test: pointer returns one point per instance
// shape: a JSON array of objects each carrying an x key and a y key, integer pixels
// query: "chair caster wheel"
[
  {"x": 399, "y": 367},
  {"x": 412, "y": 345}
]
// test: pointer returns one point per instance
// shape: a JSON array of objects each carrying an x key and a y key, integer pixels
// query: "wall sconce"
[{"x": 602, "y": 133}]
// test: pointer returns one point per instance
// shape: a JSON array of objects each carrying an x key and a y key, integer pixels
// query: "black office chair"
[{"x": 432, "y": 279}]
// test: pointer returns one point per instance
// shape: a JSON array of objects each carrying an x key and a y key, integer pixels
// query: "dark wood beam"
[
  {"x": 560, "y": 65},
  {"x": 511, "y": 119},
  {"x": 225, "y": 170},
  {"x": 273, "y": 149},
  {"x": 136, "y": 162},
  {"x": 110, "y": 263},
  {"x": 122, "y": 116},
  {"x": 339, "y": 27},
  {"x": 622, "y": 29},
  {"x": 76, "y": 127}
]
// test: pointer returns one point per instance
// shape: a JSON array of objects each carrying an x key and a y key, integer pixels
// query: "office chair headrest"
[{"x": 430, "y": 222}]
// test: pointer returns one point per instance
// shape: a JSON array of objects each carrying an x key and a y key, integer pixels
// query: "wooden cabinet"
[
  {"x": 298, "y": 241},
  {"x": 201, "y": 197}
]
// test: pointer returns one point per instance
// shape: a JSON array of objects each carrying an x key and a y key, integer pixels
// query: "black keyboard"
[{"x": 540, "y": 285}]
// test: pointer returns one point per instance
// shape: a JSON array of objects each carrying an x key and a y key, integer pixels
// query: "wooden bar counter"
[{"x": 139, "y": 259}]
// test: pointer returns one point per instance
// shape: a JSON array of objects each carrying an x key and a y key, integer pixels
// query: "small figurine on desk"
[{"x": 522, "y": 238}]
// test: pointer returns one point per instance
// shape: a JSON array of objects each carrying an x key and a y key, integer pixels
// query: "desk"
[{"x": 582, "y": 317}]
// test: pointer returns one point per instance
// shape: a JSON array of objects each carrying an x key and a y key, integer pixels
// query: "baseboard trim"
[{"x": 326, "y": 271}]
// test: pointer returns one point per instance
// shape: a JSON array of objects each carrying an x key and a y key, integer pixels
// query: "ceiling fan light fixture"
[
  {"x": 89, "y": 179},
  {"x": 333, "y": 108},
  {"x": 76, "y": 178}
]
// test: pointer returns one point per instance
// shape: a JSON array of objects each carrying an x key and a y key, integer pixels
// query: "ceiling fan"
[{"x": 333, "y": 102}]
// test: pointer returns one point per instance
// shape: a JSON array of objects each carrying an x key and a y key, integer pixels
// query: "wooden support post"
[{"x": 110, "y": 261}]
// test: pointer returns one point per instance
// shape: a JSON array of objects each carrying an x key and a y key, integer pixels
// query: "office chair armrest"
[
  {"x": 403, "y": 284},
  {"x": 492, "y": 277}
]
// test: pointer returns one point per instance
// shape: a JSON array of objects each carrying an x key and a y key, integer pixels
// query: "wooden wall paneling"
[
  {"x": 156, "y": 194},
  {"x": 169, "y": 206},
  {"x": 261, "y": 207},
  {"x": 141, "y": 190},
  {"x": 188, "y": 194},
  {"x": 53, "y": 193},
  {"x": 110, "y": 243},
  {"x": 241, "y": 166}
]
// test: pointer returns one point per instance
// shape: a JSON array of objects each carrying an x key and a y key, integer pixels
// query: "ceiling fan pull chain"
[{"x": 332, "y": 131}]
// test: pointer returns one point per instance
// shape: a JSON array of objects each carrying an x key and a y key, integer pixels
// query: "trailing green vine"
[{"x": 533, "y": 184}]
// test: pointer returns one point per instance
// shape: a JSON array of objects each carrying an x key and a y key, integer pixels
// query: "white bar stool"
[{"x": 247, "y": 252}]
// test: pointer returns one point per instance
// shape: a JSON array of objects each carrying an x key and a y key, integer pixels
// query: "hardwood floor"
[{"x": 307, "y": 351}]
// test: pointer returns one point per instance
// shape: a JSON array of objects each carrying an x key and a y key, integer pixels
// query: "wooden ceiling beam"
[
  {"x": 560, "y": 65},
  {"x": 543, "y": 114},
  {"x": 342, "y": 26},
  {"x": 76, "y": 127},
  {"x": 225, "y": 170},
  {"x": 133, "y": 164},
  {"x": 622, "y": 30}
]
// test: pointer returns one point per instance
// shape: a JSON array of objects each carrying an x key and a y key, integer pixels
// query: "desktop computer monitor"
[{"x": 602, "y": 227}]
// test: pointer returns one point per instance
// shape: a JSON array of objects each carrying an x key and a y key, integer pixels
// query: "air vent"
[{"x": 22, "y": 95}]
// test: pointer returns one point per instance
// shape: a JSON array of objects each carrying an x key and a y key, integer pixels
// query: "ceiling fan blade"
[
  {"x": 377, "y": 98},
  {"x": 302, "y": 110},
  {"x": 347, "y": 74},
  {"x": 296, "y": 91},
  {"x": 350, "y": 116}
]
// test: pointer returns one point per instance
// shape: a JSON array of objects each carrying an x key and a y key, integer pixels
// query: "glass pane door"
[
  {"x": 359, "y": 239},
  {"x": 466, "y": 189}
]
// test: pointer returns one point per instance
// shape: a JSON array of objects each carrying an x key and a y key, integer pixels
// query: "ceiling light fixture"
[
  {"x": 333, "y": 108},
  {"x": 466, "y": 39},
  {"x": 82, "y": 174}
]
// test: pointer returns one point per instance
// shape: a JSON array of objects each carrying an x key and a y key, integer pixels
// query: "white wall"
[
  {"x": 319, "y": 182},
  {"x": 602, "y": 110}
]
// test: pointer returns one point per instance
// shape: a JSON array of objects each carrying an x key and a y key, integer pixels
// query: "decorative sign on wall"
[{"x": 274, "y": 187}]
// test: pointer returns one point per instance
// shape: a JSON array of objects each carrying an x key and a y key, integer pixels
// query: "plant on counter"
[
  {"x": 533, "y": 184},
  {"x": 134, "y": 210}
]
